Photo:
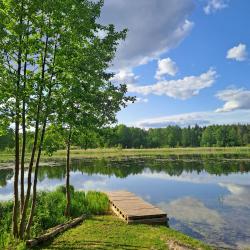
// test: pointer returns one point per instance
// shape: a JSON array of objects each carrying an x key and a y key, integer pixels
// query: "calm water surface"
[{"x": 206, "y": 198}]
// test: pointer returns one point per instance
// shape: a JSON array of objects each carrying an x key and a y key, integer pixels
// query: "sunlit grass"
[
  {"x": 113, "y": 152},
  {"x": 118, "y": 152},
  {"x": 108, "y": 232},
  {"x": 49, "y": 211}
]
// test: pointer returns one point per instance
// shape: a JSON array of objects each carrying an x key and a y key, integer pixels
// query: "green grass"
[
  {"x": 117, "y": 152},
  {"x": 50, "y": 211},
  {"x": 109, "y": 232}
]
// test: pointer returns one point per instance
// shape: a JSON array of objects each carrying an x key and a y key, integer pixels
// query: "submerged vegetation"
[{"x": 50, "y": 211}]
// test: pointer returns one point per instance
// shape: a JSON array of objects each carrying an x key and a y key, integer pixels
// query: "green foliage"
[
  {"x": 122, "y": 136},
  {"x": 7, "y": 140},
  {"x": 54, "y": 70},
  {"x": 53, "y": 140},
  {"x": 97, "y": 202},
  {"x": 5, "y": 215},
  {"x": 174, "y": 136},
  {"x": 50, "y": 211}
]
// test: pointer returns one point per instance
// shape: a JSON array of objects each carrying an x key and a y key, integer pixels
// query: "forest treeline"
[{"x": 132, "y": 137}]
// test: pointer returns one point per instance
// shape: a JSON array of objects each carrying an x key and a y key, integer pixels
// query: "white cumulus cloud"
[
  {"x": 199, "y": 118},
  {"x": 154, "y": 27},
  {"x": 238, "y": 53},
  {"x": 214, "y": 5},
  {"x": 234, "y": 99},
  {"x": 166, "y": 66},
  {"x": 138, "y": 100},
  {"x": 182, "y": 120},
  {"x": 181, "y": 88},
  {"x": 125, "y": 76}
]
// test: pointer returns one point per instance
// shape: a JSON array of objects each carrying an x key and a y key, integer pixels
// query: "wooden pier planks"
[{"x": 133, "y": 209}]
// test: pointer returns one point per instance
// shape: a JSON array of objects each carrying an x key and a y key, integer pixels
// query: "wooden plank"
[
  {"x": 131, "y": 203},
  {"x": 136, "y": 207},
  {"x": 133, "y": 209},
  {"x": 119, "y": 193}
]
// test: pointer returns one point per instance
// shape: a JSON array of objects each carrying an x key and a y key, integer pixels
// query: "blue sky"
[{"x": 186, "y": 61}]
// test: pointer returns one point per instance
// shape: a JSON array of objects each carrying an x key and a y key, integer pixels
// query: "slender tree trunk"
[
  {"x": 67, "y": 209},
  {"x": 16, "y": 176},
  {"x": 37, "y": 166},
  {"x": 35, "y": 179},
  {"x": 29, "y": 224},
  {"x": 24, "y": 130},
  {"x": 26, "y": 201},
  {"x": 17, "y": 124}
]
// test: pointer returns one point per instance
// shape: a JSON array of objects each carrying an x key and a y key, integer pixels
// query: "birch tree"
[{"x": 53, "y": 70}]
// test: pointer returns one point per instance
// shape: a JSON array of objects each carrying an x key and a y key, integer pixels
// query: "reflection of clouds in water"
[
  {"x": 192, "y": 217},
  {"x": 148, "y": 197},
  {"x": 189, "y": 209},
  {"x": 227, "y": 228},
  {"x": 86, "y": 182},
  {"x": 79, "y": 180},
  {"x": 202, "y": 177},
  {"x": 6, "y": 193},
  {"x": 6, "y": 197},
  {"x": 239, "y": 195}
]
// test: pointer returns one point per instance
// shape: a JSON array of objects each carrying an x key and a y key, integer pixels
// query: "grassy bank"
[
  {"x": 116, "y": 152},
  {"x": 108, "y": 232},
  {"x": 96, "y": 232},
  {"x": 50, "y": 211}
]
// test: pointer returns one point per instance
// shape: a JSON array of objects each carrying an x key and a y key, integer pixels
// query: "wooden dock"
[{"x": 133, "y": 209}]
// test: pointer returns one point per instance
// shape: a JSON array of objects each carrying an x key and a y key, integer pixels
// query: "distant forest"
[{"x": 132, "y": 137}]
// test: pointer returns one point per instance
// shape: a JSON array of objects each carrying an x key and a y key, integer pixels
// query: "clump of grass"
[
  {"x": 97, "y": 203},
  {"x": 50, "y": 211}
]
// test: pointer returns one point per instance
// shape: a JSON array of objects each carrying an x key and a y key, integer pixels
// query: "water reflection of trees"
[
  {"x": 121, "y": 168},
  {"x": 172, "y": 167},
  {"x": 5, "y": 175}
]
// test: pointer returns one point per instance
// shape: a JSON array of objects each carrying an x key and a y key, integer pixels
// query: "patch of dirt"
[{"x": 175, "y": 245}]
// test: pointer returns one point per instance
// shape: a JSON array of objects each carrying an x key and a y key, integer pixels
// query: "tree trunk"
[
  {"x": 67, "y": 209},
  {"x": 17, "y": 124},
  {"x": 16, "y": 176},
  {"x": 29, "y": 224},
  {"x": 24, "y": 129},
  {"x": 52, "y": 232},
  {"x": 35, "y": 179},
  {"x": 37, "y": 167},
  {"x": 26, "y": 201}
]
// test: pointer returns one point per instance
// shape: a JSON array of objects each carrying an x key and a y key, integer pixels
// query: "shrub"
[{"x": 50, "y": 208}]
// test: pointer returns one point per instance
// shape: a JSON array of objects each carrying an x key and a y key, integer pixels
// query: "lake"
[{"x": 205, "y": 197}]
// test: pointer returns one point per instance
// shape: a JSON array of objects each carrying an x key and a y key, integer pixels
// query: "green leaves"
[{"x": 53, "y": 70}]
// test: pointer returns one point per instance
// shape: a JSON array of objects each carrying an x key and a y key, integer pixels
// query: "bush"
[{"x": 50, "y": 208}]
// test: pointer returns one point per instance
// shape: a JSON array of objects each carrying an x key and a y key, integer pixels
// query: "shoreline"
[{"x": 242, "y": 153}]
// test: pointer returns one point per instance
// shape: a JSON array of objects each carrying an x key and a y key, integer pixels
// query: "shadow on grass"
[{"x": 87, "y": 244}]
